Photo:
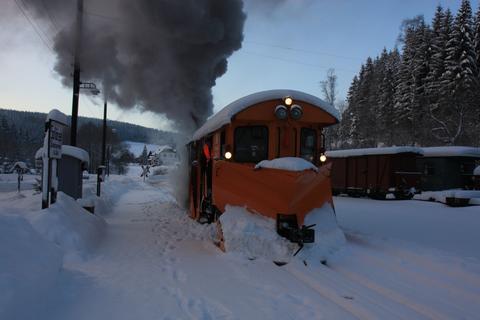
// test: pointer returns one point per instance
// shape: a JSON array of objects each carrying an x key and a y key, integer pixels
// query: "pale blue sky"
[{"x": 289, "y": 48}]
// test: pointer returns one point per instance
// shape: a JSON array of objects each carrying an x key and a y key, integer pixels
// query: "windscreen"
[
  {"x": 251, "y": 144},
  {"x": 308, "y": 143}
]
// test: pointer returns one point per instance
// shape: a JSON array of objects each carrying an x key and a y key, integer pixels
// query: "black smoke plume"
[{"x": 159, "y": 55}]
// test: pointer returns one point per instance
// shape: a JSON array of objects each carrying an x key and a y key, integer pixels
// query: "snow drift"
[
  {"x": 68, "y": 225},
  {"x": 255, "y": 236},
  {"x": 29, "y": 265}
]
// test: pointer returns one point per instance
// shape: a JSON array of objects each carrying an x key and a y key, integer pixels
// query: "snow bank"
[
  {"x": 440, "y": 196},
  {"x": 451, "y": 151},
  {"x": 225, "y": 115},
  {"x": 68, "y": 225},
  {"x": 253, "y": 236},
  {"x": 287, "y": 163},
  {"x": 29, "y": 264},
  {"x": 328, "y": 236},
  {"x": 256, "y": 236},
  {"x": 371, "y": 151}
]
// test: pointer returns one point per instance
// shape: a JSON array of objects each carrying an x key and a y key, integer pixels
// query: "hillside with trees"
[
  {"x": 22, "y": 132},
  {"x": 427, "y": 93}
]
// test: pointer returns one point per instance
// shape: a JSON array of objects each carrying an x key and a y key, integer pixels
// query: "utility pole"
[
  {"x": 104, "y": 141},
  {"x": 76, "y": 73}
]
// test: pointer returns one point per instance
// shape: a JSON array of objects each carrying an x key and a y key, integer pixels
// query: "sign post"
[{"x": 52, "y": 151}]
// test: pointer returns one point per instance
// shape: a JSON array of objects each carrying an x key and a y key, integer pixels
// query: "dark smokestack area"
[{"x": 159, "y": 55}]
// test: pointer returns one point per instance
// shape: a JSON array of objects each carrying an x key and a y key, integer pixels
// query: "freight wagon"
[
  {"x": 446, "y": 168},
  {"x": 375, "y": 172}
]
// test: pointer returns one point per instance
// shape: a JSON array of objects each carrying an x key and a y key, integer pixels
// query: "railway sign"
[
  {"x": 55, "y": 140},
  {"x": 52, "y": 151}
]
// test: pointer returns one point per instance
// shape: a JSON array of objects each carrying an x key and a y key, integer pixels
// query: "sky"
[{"x": 289, "y": 47}]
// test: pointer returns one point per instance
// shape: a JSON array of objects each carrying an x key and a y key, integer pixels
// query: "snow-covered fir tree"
[{"x": 426, "y": 94}]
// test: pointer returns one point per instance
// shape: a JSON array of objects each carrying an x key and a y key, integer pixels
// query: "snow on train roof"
[
  {"x": 372, "y": 151},
  {"x": 225, "y": 115},
  {"x": 451, "y": 151}
]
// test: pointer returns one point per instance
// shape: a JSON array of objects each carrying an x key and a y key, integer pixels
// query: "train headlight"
[
  {"x": 228, "y": 155},
  {"x": 323, "y": 158},
  {"x": 296, "y": 112},
  {"x": 288, "y": 101},
  {"x": 281, "y": 112}
]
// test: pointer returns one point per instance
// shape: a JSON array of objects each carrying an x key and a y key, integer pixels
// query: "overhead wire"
[
  {"x": 322, "y": 53},
  {"x": 37, "y": 30},
  {"x": 292, "y": 61},
  {"x": 51, "y": 17},
  {"x": 120, "y": 20}
]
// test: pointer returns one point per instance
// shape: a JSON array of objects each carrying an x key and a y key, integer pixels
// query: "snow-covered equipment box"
[
  {"x": 70, "y": 167},
  {"x": 265, "y": 153},
  {"x": 375, "y": 172}
]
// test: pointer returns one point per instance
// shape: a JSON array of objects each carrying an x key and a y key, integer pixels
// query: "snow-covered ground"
[
  {"x": 454, "y": 231},
  {"x": 153, "y": 262},
  {"x": 8, "y": 182}
]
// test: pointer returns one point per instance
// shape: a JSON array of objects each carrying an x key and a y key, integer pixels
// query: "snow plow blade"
[{"x": 271, "y": 192}]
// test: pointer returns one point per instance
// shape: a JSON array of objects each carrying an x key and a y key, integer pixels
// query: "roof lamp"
[
  {"x": 288, "y": 101},
  {"x": 281, "y": 112},
  {"x": 296, "y": 112}
]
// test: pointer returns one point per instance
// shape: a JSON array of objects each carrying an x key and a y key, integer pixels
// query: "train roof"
[
  {"x": 372, "y": 151},
  {"x": 225, "y": 115},
  {"x": 451, "y": 151}
]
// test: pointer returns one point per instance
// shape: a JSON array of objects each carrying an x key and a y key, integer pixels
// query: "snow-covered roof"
[
  {"x": 71, "y": 151},
  {"x": 452, "y": 151},
  {"x": 476, "y": 172},
  {"x": 165, "y": 149},
  {"x": 225, "y": 115},
  {"x": 372, "y": 151},
  {"x": 57, "y": 116},
  {"x": 287, "y": 163},
  {"x": 21, "y": 165}
]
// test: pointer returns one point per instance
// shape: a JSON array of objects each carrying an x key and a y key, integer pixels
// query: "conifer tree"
[{"x": 459, "y": 79}]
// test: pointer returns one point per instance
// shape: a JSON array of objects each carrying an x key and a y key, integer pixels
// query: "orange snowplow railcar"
[{"x": 262, "y": 126}]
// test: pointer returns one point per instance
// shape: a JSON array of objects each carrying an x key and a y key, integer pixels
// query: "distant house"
[
  {"x": 19, "y": 167},
  {"x": 446, "y": 168},
  {"x": 167, "y": 155}
]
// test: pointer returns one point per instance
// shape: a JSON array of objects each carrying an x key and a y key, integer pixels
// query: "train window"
[
  {"x": 251, "y": 144},
  {"x": 308, "y": 144}
]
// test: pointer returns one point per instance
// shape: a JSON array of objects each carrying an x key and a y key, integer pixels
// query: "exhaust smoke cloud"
[{"x": 159, "y": 55}]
